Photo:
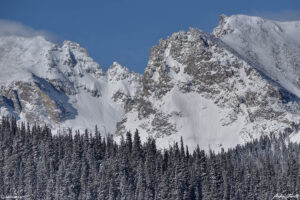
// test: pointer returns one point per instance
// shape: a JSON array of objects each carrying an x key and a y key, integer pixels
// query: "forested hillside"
[{"x": 34, "y": 164}]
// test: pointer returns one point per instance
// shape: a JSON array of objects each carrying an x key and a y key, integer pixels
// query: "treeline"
[{"x": 34, "y": 164}]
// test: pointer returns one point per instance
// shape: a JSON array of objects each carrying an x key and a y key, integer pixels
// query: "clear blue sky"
[{"x": 125, "y": 30}]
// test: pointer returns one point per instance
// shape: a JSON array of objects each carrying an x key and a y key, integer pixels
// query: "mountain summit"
[
  {"x": 61, "y": 86},
  {"x": 215, "y": 90},
  {"x": 271, "y": 47}
]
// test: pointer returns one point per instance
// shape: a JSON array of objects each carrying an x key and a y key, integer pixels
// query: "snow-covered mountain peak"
[
  {"x": 272, "y": 47},
  {"x": 228, "y": 24},
  {"x": 20, "y": 57},
  {"x": 77, "y": 57},
  {"x": 215, "y": 89},
  {"x": 196, "y": 86},
  {"x": 120, "y": 75},
  {"x": 168, "y": 60},
  {"x": 74, "y": 46},
  {"x": 61, "y": 85},
  {"x": 116, "y": 72}
]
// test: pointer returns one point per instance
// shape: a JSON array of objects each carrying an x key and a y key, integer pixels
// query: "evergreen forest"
[{"x": 35, "y": 164}]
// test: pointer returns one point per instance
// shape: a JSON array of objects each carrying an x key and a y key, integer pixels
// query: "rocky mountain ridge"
[
  {"x": 207, "y": 88},
  {"x": 61, "y": 86},
  {"x": 197, "y": 87}
]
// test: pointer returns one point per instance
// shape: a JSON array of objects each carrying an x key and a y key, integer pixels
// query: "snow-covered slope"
[
  {"x": 272, "y": 47},
  {"x": 215, "y": 90},
  {"x": 61, "y": 86}
]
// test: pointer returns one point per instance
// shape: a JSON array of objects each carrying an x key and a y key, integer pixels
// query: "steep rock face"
[
  {"x": 197, "y": 87},
  {"x": 61, "y": 86}
]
